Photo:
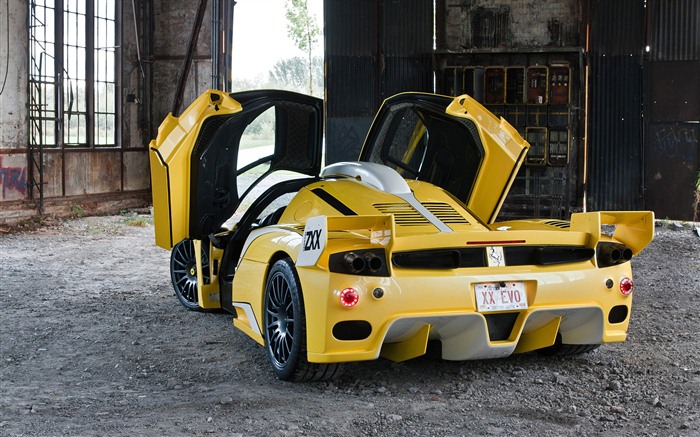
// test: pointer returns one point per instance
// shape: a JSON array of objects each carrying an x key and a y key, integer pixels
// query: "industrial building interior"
[{"x": 601, "y": 89}]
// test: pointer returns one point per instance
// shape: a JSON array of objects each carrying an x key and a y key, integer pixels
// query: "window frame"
[{"x": 42, "y": 81}]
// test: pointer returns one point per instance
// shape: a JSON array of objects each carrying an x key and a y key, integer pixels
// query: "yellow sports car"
[{"x": 379, "y": 256}]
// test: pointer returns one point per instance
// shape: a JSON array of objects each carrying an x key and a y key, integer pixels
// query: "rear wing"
[
  {"x": 634, "y": 229},
  {"x": 380, "y": 229}
]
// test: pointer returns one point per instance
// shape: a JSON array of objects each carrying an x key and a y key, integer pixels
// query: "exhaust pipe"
[
  {"x": 373, "y": 262},
  {"x": 354, "y": 263},
  {"x": 610, "y": 254},
  {"x": 626, "y": 253}
]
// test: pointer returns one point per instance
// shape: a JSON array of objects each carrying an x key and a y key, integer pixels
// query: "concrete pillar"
[{"x": 13, "y": 108}]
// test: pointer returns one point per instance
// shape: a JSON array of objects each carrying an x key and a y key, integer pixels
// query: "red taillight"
[
  {"x": 626, "y": 286},
  {"x": 349, "y": 297}
]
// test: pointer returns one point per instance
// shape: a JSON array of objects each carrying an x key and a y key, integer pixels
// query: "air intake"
[{"x": 558, "y": 223}]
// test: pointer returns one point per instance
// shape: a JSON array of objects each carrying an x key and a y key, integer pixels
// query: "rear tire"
[
  {"x": 559, "y": 349},
  {"x": 285, "y": 328}
]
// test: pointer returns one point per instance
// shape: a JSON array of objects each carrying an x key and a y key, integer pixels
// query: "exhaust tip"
[
  {"x": 373, "y": 262},
  {"x": 354, "y": 263}
]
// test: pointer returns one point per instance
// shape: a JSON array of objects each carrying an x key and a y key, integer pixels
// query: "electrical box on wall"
[
  {"x": 494, "y": 85},
  {"x": 539, "y": 92},
  {"x": 515, "y": 85},
  {"x": 464, "y": 80},
  {"x": 558, "y": 147},
  {"x": 537, "y": 137},
  {"x": 560, "y": 84},
  {"x": 537, "y": 85}
]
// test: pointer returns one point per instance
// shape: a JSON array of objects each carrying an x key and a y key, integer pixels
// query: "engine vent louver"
[
  {"x": 404, "y": 214},
  {"x": 445, "y": 213}
]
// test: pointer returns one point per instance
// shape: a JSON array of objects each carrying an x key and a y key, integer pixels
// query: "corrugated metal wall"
[
  {"x": 374, "y": 49},
  {"x": 406, "y": 46},
  {"x": 675, "y": 30},
  {"x": 644, "y": 106},
  {"x": 615, "y": 104},
  {"x": 673, "y": 101}
]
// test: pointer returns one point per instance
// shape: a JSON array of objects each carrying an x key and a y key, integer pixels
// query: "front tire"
[{"x": 285, "y": 327}]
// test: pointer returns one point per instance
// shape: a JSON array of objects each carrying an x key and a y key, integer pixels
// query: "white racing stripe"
[{"x": 411, "y": 200}]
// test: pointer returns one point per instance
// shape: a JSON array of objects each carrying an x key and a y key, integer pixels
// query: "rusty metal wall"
[
  {"x": 614, "y": 179},
  {"x": 374, "y": 49}
]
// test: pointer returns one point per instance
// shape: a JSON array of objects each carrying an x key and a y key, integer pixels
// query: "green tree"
[
  {"x": 292, "y": 74},
  {"x": 303, "y": 30}
]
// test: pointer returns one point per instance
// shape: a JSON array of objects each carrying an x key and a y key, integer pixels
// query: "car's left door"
[{"x": 195, "y": 158}]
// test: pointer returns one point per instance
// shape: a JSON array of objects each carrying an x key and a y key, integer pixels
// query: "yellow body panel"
[
  {"x": 207, "y": 294},
  {"x": 569, "y": 298}
]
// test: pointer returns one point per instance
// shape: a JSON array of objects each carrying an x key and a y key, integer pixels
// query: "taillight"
[
  {"x": 626, "y": 286},
  {"x": 349, "y": 297}
]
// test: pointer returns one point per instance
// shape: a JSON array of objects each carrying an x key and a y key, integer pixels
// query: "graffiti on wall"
[
  {"x": 12, "y": 179},
  {"x": 675, "y": 141}
]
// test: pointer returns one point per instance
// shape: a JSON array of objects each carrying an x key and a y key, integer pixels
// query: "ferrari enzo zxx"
[{"x": 379, "y": 256}]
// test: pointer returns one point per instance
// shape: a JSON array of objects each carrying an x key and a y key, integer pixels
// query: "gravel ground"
[{"x": 94, "y": 342}]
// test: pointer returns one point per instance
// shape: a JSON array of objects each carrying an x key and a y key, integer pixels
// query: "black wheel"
[
  {"x": 183, "y": 272},
  {"x": 560, "y": 349},
  {"x": 285, "y": 328}
]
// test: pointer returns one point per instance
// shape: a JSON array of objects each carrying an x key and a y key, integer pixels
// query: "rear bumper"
[{"x": 418, "y": 306}]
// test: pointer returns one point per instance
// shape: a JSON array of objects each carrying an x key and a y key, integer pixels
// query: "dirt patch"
[{"x": 94, "y": 342}]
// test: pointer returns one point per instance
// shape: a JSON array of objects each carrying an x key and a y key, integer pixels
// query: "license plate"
[{"x": 500, "y": 296}]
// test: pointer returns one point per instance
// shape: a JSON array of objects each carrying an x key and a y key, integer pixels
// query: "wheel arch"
[
  {"x": 265, "y": 247},
  {"x": 292, "y": 365},
  {"x": 276, "y": 256}
]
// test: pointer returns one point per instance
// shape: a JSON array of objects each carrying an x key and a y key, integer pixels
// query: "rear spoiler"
[
  {"x": 315, "y": 237},
  {"x": 634, "y": 229}
]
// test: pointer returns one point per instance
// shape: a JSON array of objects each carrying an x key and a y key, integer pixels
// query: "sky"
[{"x": 260, "y": 36}]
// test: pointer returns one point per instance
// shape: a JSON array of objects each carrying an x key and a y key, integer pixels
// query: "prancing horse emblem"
[{"x": 495, "y": 256}]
